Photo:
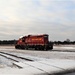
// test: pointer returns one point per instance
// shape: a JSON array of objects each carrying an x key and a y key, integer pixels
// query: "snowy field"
[
  {"x": 61, "y": 58},
  {"x": 65, "y": 47}
]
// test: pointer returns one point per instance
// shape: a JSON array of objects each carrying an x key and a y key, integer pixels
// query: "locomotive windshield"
[{"x": 45, "y": 36}]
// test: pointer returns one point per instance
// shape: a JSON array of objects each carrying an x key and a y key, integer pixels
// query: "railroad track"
[
  {"x": 62, "y": 50},
  {"x": 14, "y": 58}
]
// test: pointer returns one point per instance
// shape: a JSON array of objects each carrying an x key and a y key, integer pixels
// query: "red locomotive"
[{"x": 37, "y": 42}]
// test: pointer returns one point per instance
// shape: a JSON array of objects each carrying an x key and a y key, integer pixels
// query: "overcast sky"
[{"x": 23, "y": 17}]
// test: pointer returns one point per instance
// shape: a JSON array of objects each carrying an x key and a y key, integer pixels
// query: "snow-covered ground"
[
  {"x": 41, "y": 67},
  {"x": 57, "y": 60},
  {"x": 67, "y": 47}
]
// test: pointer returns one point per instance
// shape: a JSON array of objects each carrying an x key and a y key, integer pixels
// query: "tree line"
[
  {"x": 13, "y": 42},
  {"x": 8, "y": 42},
  {"x": 67, "y": 41},
  {"x": 64, "y": 42}
]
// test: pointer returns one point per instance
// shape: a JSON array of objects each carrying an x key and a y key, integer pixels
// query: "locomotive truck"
[{"x": 37, "y": 42}]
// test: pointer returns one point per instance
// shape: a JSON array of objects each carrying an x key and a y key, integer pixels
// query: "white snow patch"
[{"x": 64, "y": 47}]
